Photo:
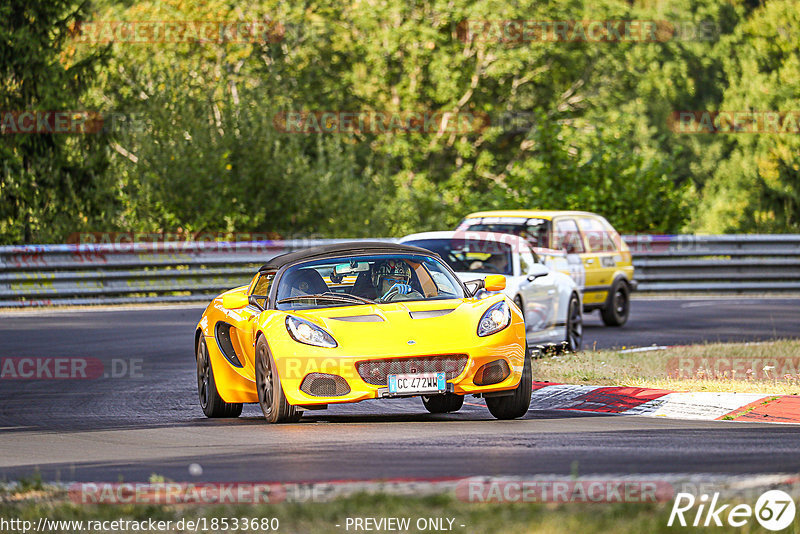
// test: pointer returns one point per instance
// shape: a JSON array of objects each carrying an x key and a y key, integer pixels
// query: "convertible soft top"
[{"x": 337, "y": 249}]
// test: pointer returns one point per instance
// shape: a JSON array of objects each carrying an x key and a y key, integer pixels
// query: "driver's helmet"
[{"x": 390, "y": 272}]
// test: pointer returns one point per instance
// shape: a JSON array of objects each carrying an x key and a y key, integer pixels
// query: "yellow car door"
[
  {"x": 599, "y": 259},
  {"x": 567, "y": 237}
]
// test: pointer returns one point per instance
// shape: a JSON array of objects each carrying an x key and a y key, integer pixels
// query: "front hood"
[{"x": 400, "y": 328}]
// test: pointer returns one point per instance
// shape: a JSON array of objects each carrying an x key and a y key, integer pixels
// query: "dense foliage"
[
  {"x": 51, "y": 184},
  {"x": 193, "y": 139}
]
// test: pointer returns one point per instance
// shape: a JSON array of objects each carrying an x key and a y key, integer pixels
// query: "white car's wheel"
[{"x": 574, "y": 338}]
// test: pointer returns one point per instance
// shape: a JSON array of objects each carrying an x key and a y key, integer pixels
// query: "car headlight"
[
  {"x": 304, "y": 332},
  {"x": 497, "y": 317}
]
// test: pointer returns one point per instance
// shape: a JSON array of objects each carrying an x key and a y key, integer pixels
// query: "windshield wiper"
[
  {"x": 341, "y": 297},
  {"x": 365, "y": 300}
]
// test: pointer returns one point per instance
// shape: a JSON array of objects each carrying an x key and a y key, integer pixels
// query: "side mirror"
[
  {"x": 494, "y": 282},
  {"x": 473, "y": 286},
  {"x": 537, "y": 270},
  {"x": 234, "y": 301}
]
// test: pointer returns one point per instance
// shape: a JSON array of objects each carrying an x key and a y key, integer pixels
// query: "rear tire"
[
  {"x": 574, "y": 338},
  {"x": 447, "y": 402},
  {"x": 517, "y": 404},
  {"x": 210, "y": 400},
  {"x": 270, "y": 392},
  {"x": 618, "y": 305}
]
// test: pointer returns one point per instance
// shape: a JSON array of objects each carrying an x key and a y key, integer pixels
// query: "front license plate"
[{"x": 417, "y": 383}]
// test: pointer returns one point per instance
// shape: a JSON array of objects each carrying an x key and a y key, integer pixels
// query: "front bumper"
[{"x": 504, "y": 345}]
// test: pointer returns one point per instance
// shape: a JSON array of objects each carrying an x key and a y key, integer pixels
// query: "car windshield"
[
  {"x": 358, "y": 280},
  {"x": 534, "y": 231},
  {"x": 471, "y": 255}
]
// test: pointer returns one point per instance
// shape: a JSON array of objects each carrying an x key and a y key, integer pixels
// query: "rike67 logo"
[{"x": 774, "y": 510}]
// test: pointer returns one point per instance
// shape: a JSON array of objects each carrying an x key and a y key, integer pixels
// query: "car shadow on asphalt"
[
  {"x": 467, "y": 414},
  {"x": 340, "y": 415}
]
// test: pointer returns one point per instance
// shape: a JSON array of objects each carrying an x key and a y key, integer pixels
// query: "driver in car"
[
  {"x": 392, "y": 281},
  {"x": 496, "y": 263}
]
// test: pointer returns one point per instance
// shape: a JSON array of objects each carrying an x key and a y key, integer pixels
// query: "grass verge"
[
  {"x": 322, "y": 518},
  {"x": 769, "y": 368}
]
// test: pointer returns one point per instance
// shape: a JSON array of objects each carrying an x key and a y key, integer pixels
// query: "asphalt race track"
[{"x": 148, "y": 421}]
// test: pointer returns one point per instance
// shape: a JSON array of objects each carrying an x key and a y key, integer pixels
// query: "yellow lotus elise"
[{"x": 363, "y": 320}]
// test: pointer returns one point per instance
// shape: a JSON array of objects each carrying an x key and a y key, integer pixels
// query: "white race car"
[{"x": 550, "y": 300}]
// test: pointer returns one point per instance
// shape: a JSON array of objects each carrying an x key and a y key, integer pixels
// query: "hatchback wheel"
[{"x": 618, "y": 305}]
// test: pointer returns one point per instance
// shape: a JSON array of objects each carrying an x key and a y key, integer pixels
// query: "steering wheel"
[
  {"x": 493, "y": 268},
  {"x": 389, "y": 295},
  {"x": 462, "y": 266}
]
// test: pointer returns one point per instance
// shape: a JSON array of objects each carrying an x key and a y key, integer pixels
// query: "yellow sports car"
[{"x": 355, "y": 321}]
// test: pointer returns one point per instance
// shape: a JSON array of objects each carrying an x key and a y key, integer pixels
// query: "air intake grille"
[
  {"x": 324, "y": 385},
  {"x": 492, "y": 373},
  {"x": 223, "y": 335},
  {"x": 375, "y": 371}
]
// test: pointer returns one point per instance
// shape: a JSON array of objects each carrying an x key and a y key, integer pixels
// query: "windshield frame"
[
  {"x": 491, "y": 224},
  {"x": 273, "y": 293},
  {"x": 511, "y": 255}
]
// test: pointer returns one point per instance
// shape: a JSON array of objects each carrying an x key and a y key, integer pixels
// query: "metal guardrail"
[
  {"x": 121, "y": 273},
  {"x": 113, "y": 273},
  {"x": 716, "y": 263}
]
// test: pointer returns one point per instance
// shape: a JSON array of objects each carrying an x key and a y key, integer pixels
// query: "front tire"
[
  {"x": 210, "y": 400},
  {"x": 574, "y": 338},
  {"x": 517, "y": 404},
  {"x": 618, "y": 306},
  {"x": 518, "y": 302},
  {"x": 447, "y": 402},
  {"x": 270, "y": 391}
]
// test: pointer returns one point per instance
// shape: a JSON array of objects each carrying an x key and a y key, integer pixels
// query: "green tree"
[
  {"x": 756, "y": 185},
  {"x": 573, "y": 125},
  {"x": 50, "y": 184}
]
